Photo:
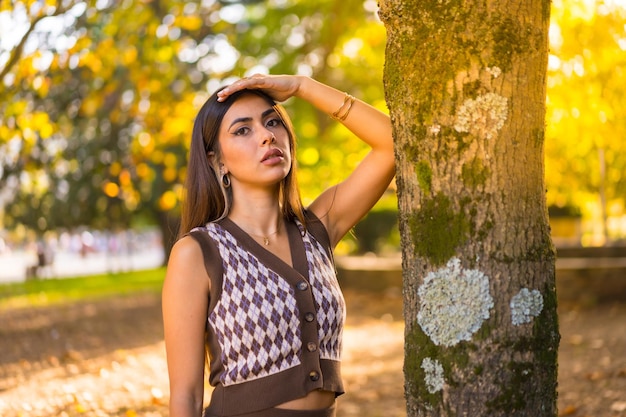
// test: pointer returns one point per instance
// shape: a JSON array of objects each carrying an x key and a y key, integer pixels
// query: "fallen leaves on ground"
[{"x": 107, "y": 359}]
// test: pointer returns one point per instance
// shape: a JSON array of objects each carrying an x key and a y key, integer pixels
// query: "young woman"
[{"x": 251, "y": 284}]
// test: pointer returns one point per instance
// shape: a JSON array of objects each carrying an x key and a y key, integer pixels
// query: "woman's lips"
[{"x": 272, "y": 156}]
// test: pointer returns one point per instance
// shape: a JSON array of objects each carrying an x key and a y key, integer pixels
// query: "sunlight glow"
[
  {"x": 233, "y": 14},
  {"x": 43, "y": 60},
  {"x": 554, "y": 63},
  {"x": 555, "y": 36},
  {"x": 222, "y": 60},
  {"x": 352, "y": 47},
  {"x": 615, "y": 4}
]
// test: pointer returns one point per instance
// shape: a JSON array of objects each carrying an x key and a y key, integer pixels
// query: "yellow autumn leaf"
[
  {"x": 165, "y": 54},
  {"x": 175, "y": 127},
  {"x": 5, "y": 133},
  {"x": 170, "y": 160},
  {"x": 132, "y": 199},
  {"x": 157, "y": 395},
  {"x": 115, "y": 115},
  {"x": 170, "y": 174},
  {"x": 125, "y": 178},
  {"x": 167, "y": 201},
  {"x": 184, "y": 107},
  {"x": 189, "y": 22},
  {"x": 46, "y": 130},
  {"x": 309, "y": 156},
  {"x": 90, "y": 106},
  {"x": 111, "y": 189},
  {"x": 143, "y": 170},
  {"x": 92, "y": 61},
  {"x": 81, "y": 43},
  {"x": 41, "y": 85},
  {"x": 26, "y": 69},
  {"x": 16, "y": 108},
  {"x": 155, "y": 86},
  {"x": 129, "y": 55},
  {"x": 157, "y": 156},
  {"x": 115, "y": 168},
  {"x": 40, "y": 118},
  {"x": 23, "y": 121},
  {"x": 179, "y": 190},
  {"x": 106, "y": 46}
]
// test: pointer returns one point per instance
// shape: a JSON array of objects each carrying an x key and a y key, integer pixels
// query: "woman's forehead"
[{"x": 248, "y": 105}]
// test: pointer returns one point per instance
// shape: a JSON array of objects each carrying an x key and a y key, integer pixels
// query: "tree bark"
[{"x": 465, "y": 83}]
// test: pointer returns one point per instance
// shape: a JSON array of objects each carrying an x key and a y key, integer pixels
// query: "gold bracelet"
[
  {"x": 342, "y": 118},
  {"x": 335, "y": 115},
  {"x": 349, "y": 100}
]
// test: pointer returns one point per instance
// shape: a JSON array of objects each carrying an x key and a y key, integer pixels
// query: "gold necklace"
[{"x": 266, "y": 239}]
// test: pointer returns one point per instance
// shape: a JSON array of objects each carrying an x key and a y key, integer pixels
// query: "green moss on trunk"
[
  {"x": 438, "y": 230},
  {"x": 418, "y": 347},
  {"x": 424, "y": 176},
  {"x": 475, "y": 173}
]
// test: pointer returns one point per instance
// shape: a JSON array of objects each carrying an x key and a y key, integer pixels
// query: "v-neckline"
[{"x": 299, "y": 261}]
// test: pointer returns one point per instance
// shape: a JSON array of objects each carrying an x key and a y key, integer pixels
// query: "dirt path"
[{"x": 106, "y": 358}]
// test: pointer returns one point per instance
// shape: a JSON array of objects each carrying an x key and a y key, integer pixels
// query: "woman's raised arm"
[{"x": 343, "y": 205}]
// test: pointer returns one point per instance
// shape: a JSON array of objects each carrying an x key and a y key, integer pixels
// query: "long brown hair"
[{"x": 205, "y": 198}]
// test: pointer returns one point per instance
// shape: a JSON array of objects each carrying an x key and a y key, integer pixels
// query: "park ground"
[{"x": 106, "y": 358}]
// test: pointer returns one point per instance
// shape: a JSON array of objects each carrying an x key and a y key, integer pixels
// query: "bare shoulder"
[
  {"x": 186, "y": 249},
  {"x": 186, "y": 264}
]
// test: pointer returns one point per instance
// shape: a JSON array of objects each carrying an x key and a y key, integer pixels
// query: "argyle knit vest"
[{"x": 274, "y": 331}]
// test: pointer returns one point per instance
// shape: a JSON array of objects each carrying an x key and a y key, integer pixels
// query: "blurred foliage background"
[{"x": 97, "y": 101}]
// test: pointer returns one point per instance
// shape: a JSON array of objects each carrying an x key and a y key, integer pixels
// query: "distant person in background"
[
  {"x": 41, "y": 255},
  {"x": 252, "y": 278},
  {"x": 44, "y": 258}
]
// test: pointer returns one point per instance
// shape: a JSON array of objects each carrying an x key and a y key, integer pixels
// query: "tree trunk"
[{"x": 465, "y": 83}]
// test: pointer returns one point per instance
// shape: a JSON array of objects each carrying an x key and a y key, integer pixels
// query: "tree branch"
[{"x": 16, "y": 53}]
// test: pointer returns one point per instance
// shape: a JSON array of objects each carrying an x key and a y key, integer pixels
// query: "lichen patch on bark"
[
  {"x": 454, "y": 302},
  {"x": 525, "y": 305},
  {"x": 433, "y": 375},
  {"x": 483, "y": 116}
]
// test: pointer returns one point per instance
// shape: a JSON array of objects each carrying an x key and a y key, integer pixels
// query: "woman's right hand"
[{"x": 279, "y": 87}]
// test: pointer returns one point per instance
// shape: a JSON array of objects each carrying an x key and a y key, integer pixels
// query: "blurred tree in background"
[
  {"x": 97, "y": 99},
  {"x": 586, "y": 108}
]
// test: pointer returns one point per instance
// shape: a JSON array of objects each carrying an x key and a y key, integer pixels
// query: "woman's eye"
[
  {"x": 241, "y": 131},
  {"x": 274, "y": 122}
]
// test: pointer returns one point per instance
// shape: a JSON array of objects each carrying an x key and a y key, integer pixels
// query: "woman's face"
[{"x": 254, "y": 143}]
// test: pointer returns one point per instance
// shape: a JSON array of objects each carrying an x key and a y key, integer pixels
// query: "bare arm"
[
  {"x": 185, "y": 302},
  {"x": 343, "y": 205}
]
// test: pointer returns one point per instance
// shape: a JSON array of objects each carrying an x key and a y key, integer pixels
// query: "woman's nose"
[{"x": 268, "y": 138}]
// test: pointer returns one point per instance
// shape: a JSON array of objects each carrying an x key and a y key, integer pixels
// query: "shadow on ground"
[
  {"x": 32, "y": 340},
  {"x": 107, "y": 358}
]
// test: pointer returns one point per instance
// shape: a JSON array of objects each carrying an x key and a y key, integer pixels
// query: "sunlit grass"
[{"x": 45, "y": 292}]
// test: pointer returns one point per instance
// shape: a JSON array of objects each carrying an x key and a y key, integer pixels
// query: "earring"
[{"x": 225, "y": 180}]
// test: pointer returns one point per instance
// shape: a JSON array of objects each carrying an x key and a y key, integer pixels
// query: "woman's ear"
[
  {"x": 215, "y": 163},
  {"x": 212, "y": 159}
]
